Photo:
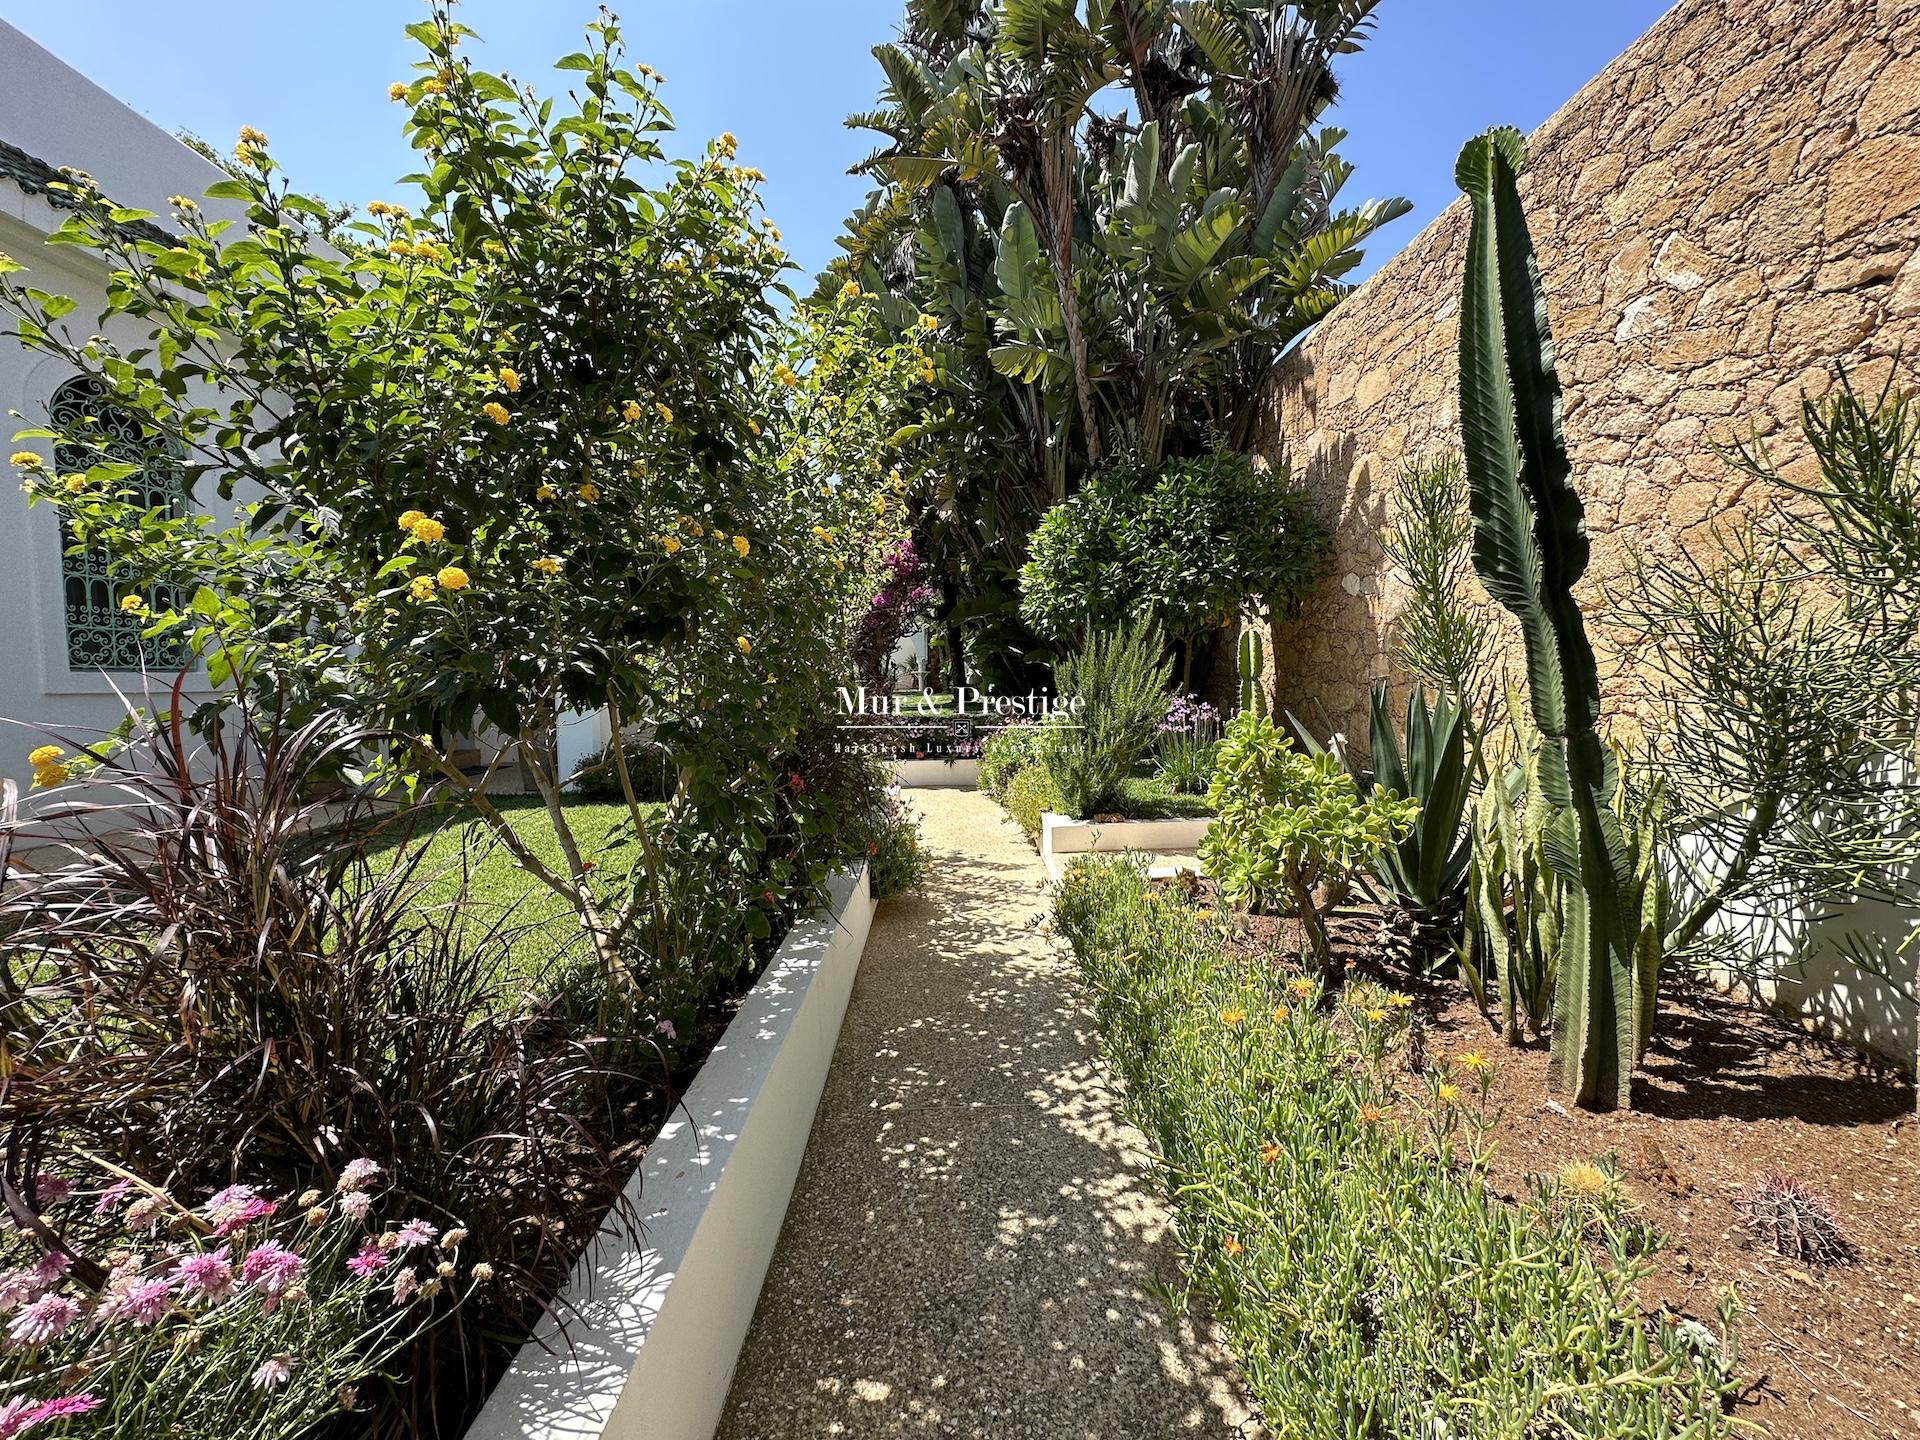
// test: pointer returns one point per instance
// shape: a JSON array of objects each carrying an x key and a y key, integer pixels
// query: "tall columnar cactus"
[
  {"x": 1253, "y": 660},
  {"x": 1529, "y": 547}
]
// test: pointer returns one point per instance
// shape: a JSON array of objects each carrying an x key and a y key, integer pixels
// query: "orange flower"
[
  {"x": 1280, "y": 1013},
  {"x": 1269, "y": 1152},
  {"x": 1231, "y": 1018},
  {"x": 1301, "y": 986},
  {"x": 1233, "y": 1245},
  {"x": 1371, "y": 1114}
]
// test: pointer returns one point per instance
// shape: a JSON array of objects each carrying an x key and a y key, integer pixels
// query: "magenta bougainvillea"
[{"x": 902, "y": 602}]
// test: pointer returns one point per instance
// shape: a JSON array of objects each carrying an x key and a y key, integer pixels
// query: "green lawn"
[{"x": 461, "y": 848}]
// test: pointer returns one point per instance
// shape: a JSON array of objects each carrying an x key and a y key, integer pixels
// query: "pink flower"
[
  {"x": 235, "y": 1206},
  {"x": 17, "y": 1286},
  {"x": 357, "y": 1176},
  {"x": 209, "y": 1276},
  {"x": 370, "y": 1259},
  {"x": 111, "y": 1196},
  {"x": 51, "y": 1189},
  {"x": 415, "y": 1232},
  {"x": 665, "y": 1027},
  {"x": 143, "y": 1214},
  {"x": 45, "y": 1319},
  {"x": 20, "y": 1415},
  {"x": 142, "y": 1302},
  {"x": 51, "y": 1266},
  {"x": 406, "y": 1285},
  {"x": 356, "y": 1204},
  {"x": 271, "y": 1269},
  {"x": 274, "y": 1372}
]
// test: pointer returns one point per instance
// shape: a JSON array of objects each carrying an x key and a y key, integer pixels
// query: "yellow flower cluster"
[
  {"x": 670, "y": 544},
  {"x": 549, "y": 564},
  {"x": 423, "y": 527},
  {"x": 546, "y": 492},
  {"x": 823, "y": 535},
  {"x": 452, "y": 578},
  {"x": 435, "y": 86},
  {"x": 726, "y": 144},
  {"x": 509, "y": 380},
  {"x": 133, "y": 605},
  {"x": 589, "y": 492},
  {"x": 666, "y": 413},
  {"x": 1233, "y": 1018},
  {"x": 785, "y": 375},
  {"x": 421, "y": 587},
  {"x": 850, "y": 290},
  {"x": 746, "y": 645},
  {"x": 740, "y": 546},
  {"x": 631, "y": 411},
  {"x": 26, "y": 460},
  {"x": 496, "y": 412},
  {"x": 182, "y": 204},
  {"x": 929, "y": 322},
  {"x": 387, "y": 207},
  {"x": 397, "y": 90},
  {"x": 47, "y": 769}
]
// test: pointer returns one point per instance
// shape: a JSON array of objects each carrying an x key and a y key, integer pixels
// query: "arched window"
[{"x": 100, "y": 635}]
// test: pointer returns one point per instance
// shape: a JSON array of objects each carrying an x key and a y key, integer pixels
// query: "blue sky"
[{"x": 780, "y": 74}]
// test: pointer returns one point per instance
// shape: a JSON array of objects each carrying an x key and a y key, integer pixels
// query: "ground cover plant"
[{"x": 1341, "y": 1231}]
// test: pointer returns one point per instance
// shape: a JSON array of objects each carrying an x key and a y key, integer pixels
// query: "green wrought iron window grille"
[{"x": 100, "y": 635}]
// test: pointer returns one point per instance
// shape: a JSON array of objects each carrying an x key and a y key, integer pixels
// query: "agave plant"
[
  {"x": 1421, "y": 882},
  {"x": 1530, "y": 547}
]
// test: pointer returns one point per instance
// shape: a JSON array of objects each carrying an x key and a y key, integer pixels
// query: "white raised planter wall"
[
  {"x": 1062, "y": 838},
  {"x": 938, "y": 774},
  {"x": 657, "y": 1321}
]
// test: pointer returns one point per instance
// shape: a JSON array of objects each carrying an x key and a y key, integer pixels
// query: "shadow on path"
[{"x": 974, "y": 1241}]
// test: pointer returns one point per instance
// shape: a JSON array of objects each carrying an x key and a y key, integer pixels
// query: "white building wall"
[{"x": 54, "y": 114}]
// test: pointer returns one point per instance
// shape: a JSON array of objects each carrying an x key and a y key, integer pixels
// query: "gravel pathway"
[{"x": 975, "y": 1247}]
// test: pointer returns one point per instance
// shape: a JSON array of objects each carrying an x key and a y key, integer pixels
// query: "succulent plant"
[
  {"x": 1530, "y": 547},
  {"x": 1795, "y": 1220}
]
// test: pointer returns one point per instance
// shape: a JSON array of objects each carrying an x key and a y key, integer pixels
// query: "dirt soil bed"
[{"x": 1729, "y": 1092}]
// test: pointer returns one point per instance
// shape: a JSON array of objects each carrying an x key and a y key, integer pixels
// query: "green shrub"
[
  {"x": 1186, "y": 546},
  {"x": 1029, "y": 796},
  {"x": 649, "y": 765},
  {"x": 1289, "y": 822},
  {"x": 1343, "y": 1235},
  {"x": 1119, "y": 680},
  {"x": 1005, "y": 754},
  {"x": 899, "y": 859}
]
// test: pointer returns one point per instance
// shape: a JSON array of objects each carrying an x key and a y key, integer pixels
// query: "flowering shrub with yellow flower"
[{"x": 490, "y": 446}]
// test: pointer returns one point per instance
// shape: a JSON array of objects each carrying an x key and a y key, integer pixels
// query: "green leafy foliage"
[
  {"x": 899, "y": 861},
  {"x": 1530, "y": 547},
  {"x": 1102, "y": 284},
  {"x": 1440, "y": 638},
  {"x": 1290, "y": 823},
  {"x": 1342, "y": 1233},
  {"x": 1118, "y": 683},
  {"x": 545, "y": 445},
  {"x": 1789, "y": 668},
  {"x": 1188, "y": 545},
  {"x": 1006, "y": 752}
]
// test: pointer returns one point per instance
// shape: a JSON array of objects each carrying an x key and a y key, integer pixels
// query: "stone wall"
[{"x": 1724, "y": 212}]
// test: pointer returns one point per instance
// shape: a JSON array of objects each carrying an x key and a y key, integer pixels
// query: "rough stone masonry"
[{"x": 1722, "y": 214}]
